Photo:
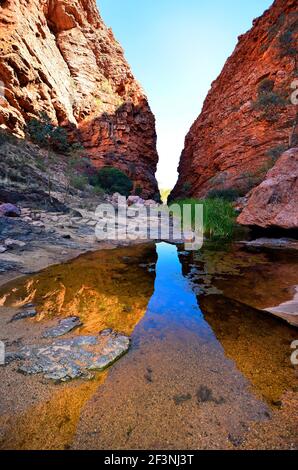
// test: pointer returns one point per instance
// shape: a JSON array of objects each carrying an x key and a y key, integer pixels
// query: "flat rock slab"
[
  {"x": 30, "y": 313},
  {"x": 278, "y": 243},
  {"x": 287, "y": 310},
  {"x": 65, "y": 326},
  {"x": 72, "y": 358}
]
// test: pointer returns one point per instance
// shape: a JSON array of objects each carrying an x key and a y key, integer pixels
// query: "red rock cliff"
[
  {"x": 248, "y": 119},
  {"x": 59, "y": 57}
]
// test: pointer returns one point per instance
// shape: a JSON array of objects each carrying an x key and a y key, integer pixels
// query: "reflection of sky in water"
[{"x": 173, "y": 304}]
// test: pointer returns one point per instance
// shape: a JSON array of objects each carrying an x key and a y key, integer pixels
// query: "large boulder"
[
  {"x": 132, "y": 200},
  {"x": 274, "y": 203}
]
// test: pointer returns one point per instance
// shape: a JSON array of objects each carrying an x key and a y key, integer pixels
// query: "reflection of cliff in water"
[
  {"x": 258, "y": 278},
  {"x": 256, "y": 341},
  {"x": 106, "y": 289}
]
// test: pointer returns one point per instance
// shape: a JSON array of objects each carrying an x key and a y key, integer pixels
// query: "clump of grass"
[
  {"x": 219, "y": 216},
  {"x": 7, "y": 138},
  {"x": 287, "y": 43},
  {"x": 186, "y": 187},
  {"x": 269, "y": 99},
  {"x": 268, "y": 102},
  {"x": 276, "y": 152},
  {"x": 138, "y": 191}
]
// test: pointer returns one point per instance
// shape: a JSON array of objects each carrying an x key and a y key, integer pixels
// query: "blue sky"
[{"x": 176, "y": 48}]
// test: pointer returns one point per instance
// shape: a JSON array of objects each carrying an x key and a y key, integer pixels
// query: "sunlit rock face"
[
  {"x": 59, "y": 57},
  {"x": 248, "y": 118}
]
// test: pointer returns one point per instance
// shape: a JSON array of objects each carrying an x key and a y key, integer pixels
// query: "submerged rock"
[
  {"x": 180, "y": 399},
  {"x": 287, "y": 310},
  {"x": 6, "y": 266},
  {"x": 29, "y": 305},
  {"x": 13, "y": 356},
  {"x": 72, "y": 358},
  {"x": 65, "y": 326},
  {"x": 24, "y": 314},
  {"x": 205, "y": 394}
]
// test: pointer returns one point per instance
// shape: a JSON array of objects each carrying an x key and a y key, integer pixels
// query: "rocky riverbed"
[{"x": 35, "y": 239}]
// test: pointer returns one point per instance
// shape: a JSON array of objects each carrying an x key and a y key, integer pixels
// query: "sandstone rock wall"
[
  {"x": 59, "y": 57},
  {"x": 274, "y": 203},
  {"x": 247, "y": 119}
]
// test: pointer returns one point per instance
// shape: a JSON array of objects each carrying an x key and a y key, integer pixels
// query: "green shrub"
[
  {"x": 98, "y": 190},
  {"x": 186, "y": 187},
  {"x": 84, "y": 166},
  {"x": 112, "y": 181},
  {"x": 156, "y": 197},
  {"x": 276, "y": 27},
  {"x": 252, "y": 179},
  {"x": 228, "y": 194},
  {"x": 59, "y": 140},
  {"x": 138, "y": 191},
  {"x": 276, "y": 152},
  {"x": 287, "y": 44},
  {"x": 45, "y": 134},
  {"x": 265, "y": 86},
  {"x": 79, "y": 182},
  {"x": 268, "y": 103},
  {"x": 7, "y": 138},
  {"x": 219, "y": 216},
  {"x": 268, "y": 100}
]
